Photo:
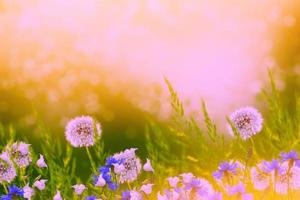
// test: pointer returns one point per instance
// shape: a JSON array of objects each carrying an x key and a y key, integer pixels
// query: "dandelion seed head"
[
  {"x": 82, "y": 131},
  {"x": 132, "y": 165},
  {"x": 7, "y": 169},
  {"x": 248, "y": 121}
]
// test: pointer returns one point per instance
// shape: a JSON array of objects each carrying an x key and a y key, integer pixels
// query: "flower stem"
[{"x": 91, "y": 160}]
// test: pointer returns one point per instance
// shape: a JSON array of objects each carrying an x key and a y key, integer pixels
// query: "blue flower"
[
  {"x": 126, "y": 195},
  {"x": 112, "y": 186},
  {"x": 13, "y": 191},
  {"x": 271, "y": 166},
  {"x": 91, "y": 198},
  {"x": 292, "y": 157},
  {"x": 104, "y": 169},
  {"x": 110, "y": 161},
  {"x": 225, "y": 167}
]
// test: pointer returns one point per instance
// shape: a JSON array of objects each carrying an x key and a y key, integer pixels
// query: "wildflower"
[
  {"x": 19, "y": 152},
  {"x": 248, "y": 121},
  {"x": 40, "y": 184},
  {"x": 168, "y": 195},
  {"x": 215, "y": 196},
  {"x": 57, "y": 196},
  {"x": 41, "y": 162},
  {"x": 291, "y": 157},
  {"x": 118, "y": 168},
  {"x": 173, "y": 181},
  {"x": 148, "y": 167},
  {"x": 99, "y": 182},
  {"x": 79, "y": 188},
  {"x": 239, "y": 190},
  {"x": 13, "y": 192},
  {"x": 260, "y": 179},
  {"x": 187, "y": 177},
  {"x": 225, "y": 170},
  {"x": 132, "y": 165},
  {"x": 80, "y": 131},
  {"x": 28, "y": 192},
  {"x": 131, "y": 195},
  {"x": 289, "y": 178},
  {"x": 7, "y": 170},
  {"x": 91, "y": 198},
  {"x": 201, "y": 188},
  {"x": 147, "y": 188},
  {"x": 272, "y": 167}
]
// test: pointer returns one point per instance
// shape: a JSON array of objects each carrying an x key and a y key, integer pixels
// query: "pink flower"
[
  {"x": 148, "y": 167},
  {"x": 173, "y": 181},
  {"x": 57, "y": 196},
  {"x": 100, "y": 181},
  {"x": 40, "y": 184},
  {"x": 79, "y": 188},
  {"x": 41, "y": 162},
  {"x": 28, "y": 192},
  {"x": 147, "y": 188}
]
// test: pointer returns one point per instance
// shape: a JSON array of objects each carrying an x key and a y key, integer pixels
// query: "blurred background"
[{"x": 108, "y": 59}]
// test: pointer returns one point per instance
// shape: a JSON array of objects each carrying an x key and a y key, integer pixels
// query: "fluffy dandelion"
[
  {"x": 79, "y": 188},
  {"x": 147, "y": 188},
  {"x": 28, "y": 192},
  {"x": 82, "y": 131},
  {"x": 41, "y": 162},
  {"x": 248, "y": 121},
  {"x": 131, "y": 163},
  {"x": 7, "y": 170},
  {"x": 40, "y": 184},
  {"x": 148, "y": 167},
  {"x": 20, "y": 153}
]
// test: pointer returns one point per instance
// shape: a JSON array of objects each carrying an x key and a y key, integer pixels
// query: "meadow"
[{"x": 180, "y": 159}]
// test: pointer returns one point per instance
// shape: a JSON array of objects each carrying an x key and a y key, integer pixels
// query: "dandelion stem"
[
  {"x": 91, "y": 159},
  {"x": 5, "y": 188}
]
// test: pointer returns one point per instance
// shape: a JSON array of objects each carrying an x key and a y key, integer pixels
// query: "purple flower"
[
  {"x": 292, "y": 157},
  {"x": 82, "y": 131},
  {"x": 239, "y": 190},
  {"x": 272, "y": 166},
  {"x": 7, "y": 169},
  {"x": 13, "y": 191},
  {"x": 90, "y": 198},
  {"x": 20, "y": 153},
  {"x": 227, "y": 168},
  {"x": 132, "y": 165},
  {"x": 248, "y": 121},
  {"x": 126, "y": 195}
]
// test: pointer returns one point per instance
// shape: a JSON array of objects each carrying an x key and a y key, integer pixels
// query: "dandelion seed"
[
  {"x": 41, "y": 162},
  {"x": 57, "y": 196},
  {"x": 248, "y": 121},
  {"x": 147, "y": 188},
  {"x": 13, "y": 192},
  {"x": 148, "y": 167},
  {"x": 173, "y": 181},
  {"x": 28, "y": 192},
  {"x": 80, "y": 131},
  {"x": 132, "y": 165},
  {"x": 7, "y": 169},
  {"x": 40, "y": 184},
  {"x": 79, "y": 188},
  {"x": 20, "y": 154}
]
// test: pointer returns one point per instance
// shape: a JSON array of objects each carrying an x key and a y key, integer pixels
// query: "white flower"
[
  {"x": 100, "y": 181},
  {"x": 147, "y": 188},
  {"x": 40, "y": 184},
  {"x": 79, "y": 188},
  {"x": 41, "y": 162},
  {"x": 28, "y": 192},
  {"x": 148, "y": 167},
  {"x": 57, "y": 196},
  {"x": 173, "y": 181}
]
